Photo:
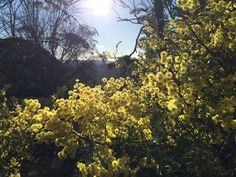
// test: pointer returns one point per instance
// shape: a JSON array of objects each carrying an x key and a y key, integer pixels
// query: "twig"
[{"x": 136, "y": 42}]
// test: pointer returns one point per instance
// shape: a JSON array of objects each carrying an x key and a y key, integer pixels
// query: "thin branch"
[
  {"x": 117, "y": 45},
  {"x": 136, "y": 42}
]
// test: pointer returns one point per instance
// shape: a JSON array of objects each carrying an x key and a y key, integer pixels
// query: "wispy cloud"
[{"x": 100, "y": 46}]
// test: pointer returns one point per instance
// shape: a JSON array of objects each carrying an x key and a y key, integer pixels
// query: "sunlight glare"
[{"x": 99, "y": 7}]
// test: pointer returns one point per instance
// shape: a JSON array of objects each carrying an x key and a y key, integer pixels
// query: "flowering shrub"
[{"x": 181, "y": 100}]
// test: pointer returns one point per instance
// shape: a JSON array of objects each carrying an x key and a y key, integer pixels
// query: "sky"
[{"x": 100, "y": 15}]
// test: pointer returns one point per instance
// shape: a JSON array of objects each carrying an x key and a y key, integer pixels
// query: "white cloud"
[{"x": 100, "y": 46}]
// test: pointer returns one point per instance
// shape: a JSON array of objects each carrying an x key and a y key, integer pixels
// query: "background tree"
[
  {"x": 9, "y": 17},
  {"x": 47, "y": 24}
]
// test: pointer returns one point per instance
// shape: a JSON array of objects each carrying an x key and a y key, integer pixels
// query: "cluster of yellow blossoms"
[
  {"x": 98, "y": 115},
  {"x": 188, "y": 5},
  {"x": 197, "y": 80},
  {"x": 15, "y": 135}
]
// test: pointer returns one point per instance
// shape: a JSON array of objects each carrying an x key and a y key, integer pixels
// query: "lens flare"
[{"x": 99, "y": 7}]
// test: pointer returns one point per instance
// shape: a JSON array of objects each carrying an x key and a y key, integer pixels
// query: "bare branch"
[{"x": 136, "y": 42}]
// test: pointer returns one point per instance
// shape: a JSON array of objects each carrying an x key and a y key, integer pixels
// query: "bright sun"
[{"x": 99, "y": 7}]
